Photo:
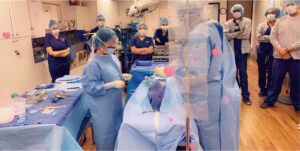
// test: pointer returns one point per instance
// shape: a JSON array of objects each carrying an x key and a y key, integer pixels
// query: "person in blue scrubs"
[
  {"x": 161, "y": 35},
  {"x": 100, "y": 21},
  {"x": 265, "y": 50},
  {"x": 102, "y": 82},
  {"x": 238, "y": 33},
  {"x": 142, "y": 45},
  {"x": 285, "y": 38},
  {"x": 101, "y": 24},
  {"x": 58, "y": 49}
]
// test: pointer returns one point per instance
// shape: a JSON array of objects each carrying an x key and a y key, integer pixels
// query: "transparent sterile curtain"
[
  {"x": 193, "y": 102},
  {"x": 189, "y": 56}
]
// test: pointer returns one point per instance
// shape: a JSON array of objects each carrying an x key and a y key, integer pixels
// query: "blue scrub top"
[
  {"x": 138, "y": 43},
  {"x": 237, "y": 42},
  {"x": 56, "y": 44},
  {"x": 94, "y": 30},
  {"x": 163, "y": 38}
]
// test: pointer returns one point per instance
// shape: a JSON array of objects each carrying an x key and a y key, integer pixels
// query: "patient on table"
[
  {"x": 154, "y": 119},
  {"x": 156, "y": 94}
]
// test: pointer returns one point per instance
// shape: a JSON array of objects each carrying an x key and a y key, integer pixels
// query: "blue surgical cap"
[
  {"x": 276, "y": 9},
  {"x": 100, "y": 16},
  {"x": 141, "y": 24},
  {"x": 237, "y": 7},
  {"x": 53, "y": 22},
  {"x": 101, "y": 37},
  {"x": 288, "y": 2},
  {"x": 163, "y": 20}
]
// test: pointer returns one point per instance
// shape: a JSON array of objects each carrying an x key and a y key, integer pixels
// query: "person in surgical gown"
[
  {"x": 214, "y": 94},
  {"x": 103, "y": 82}
]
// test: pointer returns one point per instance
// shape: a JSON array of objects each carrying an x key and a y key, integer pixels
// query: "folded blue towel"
[
  {"x": 143, "y": 63},
  {"x": 44, "y": 86},
  {"x": 68, "y": 78}
]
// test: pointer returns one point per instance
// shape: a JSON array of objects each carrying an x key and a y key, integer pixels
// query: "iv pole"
[{"x": 187, "y": 77}]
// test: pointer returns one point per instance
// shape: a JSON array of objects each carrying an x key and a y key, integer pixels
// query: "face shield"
[
  {"x": 192, "y": 13},
  {"x": 189, "y": 57}
]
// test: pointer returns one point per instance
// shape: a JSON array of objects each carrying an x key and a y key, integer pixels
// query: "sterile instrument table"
[{"x": 43, "y": 129}]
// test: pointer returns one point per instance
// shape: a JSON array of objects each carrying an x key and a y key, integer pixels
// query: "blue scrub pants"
[
  {"x": 241, "y": 74},
  {"x": 265, "y": 64},
  {"x": 280, "y": 68},
  {"x": 58, "y": 68}
]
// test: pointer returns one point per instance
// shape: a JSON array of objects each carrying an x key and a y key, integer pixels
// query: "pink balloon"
[
  {"x": 196, "y": 58},
  {"x": 171, "y": 119},
  {"x": 6, "y": 35},
  {"x": 192, "y": 146},
  {"x": 169, "y": 71},
  {"x": 216, "y": 52}
]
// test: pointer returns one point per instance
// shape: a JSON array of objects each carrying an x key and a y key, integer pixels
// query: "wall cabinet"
[
  {"x": 36, "y": 14},
  {"x": 5, "y": 26},
  {"x": 20, "y": 18},
  {"x": 15, "y": 19},
  {"x": 82, "y": 20}
]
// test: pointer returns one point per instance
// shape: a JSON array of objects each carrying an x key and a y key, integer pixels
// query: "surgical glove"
[
  {"x": 159, "y": 71},
  {"x": 127, "y": 77},
  {"x": 115, "y": 84}
]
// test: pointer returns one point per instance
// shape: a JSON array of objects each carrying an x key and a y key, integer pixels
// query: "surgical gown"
[
  {"x": 105, "y": 105},
  {"x": 220, "y": 131},
  {"x": 214, "y": 96},
  {"x": 143, "y": 129}
]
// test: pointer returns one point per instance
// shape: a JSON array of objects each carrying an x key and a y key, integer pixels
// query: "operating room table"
[{"x": 138, "y": 75}]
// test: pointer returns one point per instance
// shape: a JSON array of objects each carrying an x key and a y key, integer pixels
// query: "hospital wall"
[
  {"x": 110, "y": 9},
  {"x": 22, "y": 20},
  {"x": 152, "y": 19}
]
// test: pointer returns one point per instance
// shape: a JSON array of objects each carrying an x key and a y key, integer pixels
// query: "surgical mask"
[
  {"x": 101, "y": 23},
  {"x": 56, "y": 31},
  {"x": 291, "y": 9},
  {"x": 164, "y": 27},
  {"x": 110, "y": 50},
  {"x": 237, "y": 14},
  {"x": 143, "y": 32},
  {"x": 271, "y": 17}
]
